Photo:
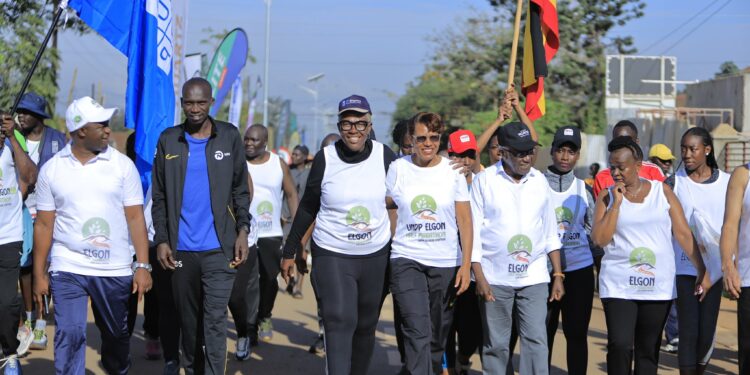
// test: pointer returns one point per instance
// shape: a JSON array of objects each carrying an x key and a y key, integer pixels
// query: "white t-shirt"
[
  {"x": 638, "y": 263},
  {"x": 570, "y": 210},
  {"x": 353, "y": 219},
  {"x": 514, "y": 227},
  {"x": 743, "y": 250},
  {"x": 708, "y": 199},
  {"x": 91, "y": 234},
  {"x": 10, "y": 199},
  {"x": 33, "y": 147},
  {"x": 426, "y": 230},
  {"x": 266, "y": 204}
]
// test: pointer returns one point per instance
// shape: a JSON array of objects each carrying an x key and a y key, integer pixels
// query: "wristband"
[{"x": 559, "y": 274}]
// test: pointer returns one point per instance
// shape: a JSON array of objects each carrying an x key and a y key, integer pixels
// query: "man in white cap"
[{"x": 89, "y": 220}]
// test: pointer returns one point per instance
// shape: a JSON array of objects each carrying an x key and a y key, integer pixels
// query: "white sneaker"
[
  {"x": 672, "y": 346},
  {"x": 40, "y": 340},
  {"x": 243, "y": 349},
  {"x": 25, "y": 337}
]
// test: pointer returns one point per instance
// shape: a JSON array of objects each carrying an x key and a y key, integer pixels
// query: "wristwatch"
[{"x": 137, "y": 265}]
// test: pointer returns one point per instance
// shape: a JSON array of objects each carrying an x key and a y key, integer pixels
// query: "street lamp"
[
  {"x": 265, "y": 69},
  {"x": 314, "y": 92}
]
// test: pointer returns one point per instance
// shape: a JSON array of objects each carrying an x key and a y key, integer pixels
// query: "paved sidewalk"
[{"x": 296, "y": 327}]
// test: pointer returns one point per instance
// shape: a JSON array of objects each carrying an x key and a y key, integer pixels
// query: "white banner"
[
  {"x": 253, "y": 102},
  {"x": 235, "y": 106},
  {"x": 179, "y": 33}
]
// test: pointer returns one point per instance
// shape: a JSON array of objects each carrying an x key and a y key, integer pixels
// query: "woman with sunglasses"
[
  {"x": 635, "y": 221},
  {"x": 345, "y": 198},
  {"x": 428, "y": 267}
]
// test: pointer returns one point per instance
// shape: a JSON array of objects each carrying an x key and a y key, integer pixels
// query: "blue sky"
[{"x": 376, "y": 47}]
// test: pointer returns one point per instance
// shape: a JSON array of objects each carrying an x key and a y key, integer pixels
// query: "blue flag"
[{"x": 142, "y": 31}]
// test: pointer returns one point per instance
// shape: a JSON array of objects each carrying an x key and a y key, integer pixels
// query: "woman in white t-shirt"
[
  {"x": 701, "y": 188},
  {"x": 735, "y": 257},
  {"x": 428, "y": 267},
  {"x": 634, "y": 223}
]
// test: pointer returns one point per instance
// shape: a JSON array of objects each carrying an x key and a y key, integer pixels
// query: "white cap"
[{"x": 85, "y": 110}]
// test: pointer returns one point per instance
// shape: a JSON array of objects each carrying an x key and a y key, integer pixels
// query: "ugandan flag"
[{"x": 541, "y": 39}]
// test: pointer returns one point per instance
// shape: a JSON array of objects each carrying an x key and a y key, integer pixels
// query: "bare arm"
[
  {"x": 730, "y": 230},
  {"x": 287, "y": 184},
  {"x": 465, "y": 229},
  {"x": 681, "y": 230},
  {"x": 45, "y": 221},
  {"x": 137, "y": 229},
  {"x": 26, "y": 170}
]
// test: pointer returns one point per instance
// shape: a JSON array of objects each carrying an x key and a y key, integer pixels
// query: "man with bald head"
[
  {"x": 201, "y": 222},
  {"x": 270, "y": 177}
]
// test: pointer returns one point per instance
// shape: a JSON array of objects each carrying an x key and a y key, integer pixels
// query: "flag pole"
[
  {"x": 514, "y": 48},
  {"x": 25, "y": 85}
]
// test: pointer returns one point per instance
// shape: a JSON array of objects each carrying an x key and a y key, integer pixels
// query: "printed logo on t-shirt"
[
  {"x": 643, "y": 264},
  {"x": 519, "y": 249},
  {"x": 96, "y": 232},
  {"x": 358, "y": 218},
  {"x": 6, "y": 193},
  {"x": 426, "y": 226},
  {"x": 265, "y": 216},
  {"x": 564, "y": 226}
]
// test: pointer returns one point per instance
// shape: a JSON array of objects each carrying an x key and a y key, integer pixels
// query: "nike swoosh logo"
[{"x": 170, "y": 156}]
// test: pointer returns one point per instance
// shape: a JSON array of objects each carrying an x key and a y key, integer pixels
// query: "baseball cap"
[
  {"x": 354, "y": 103},
  {"x": 85, "y": 110},
  {"x": 461, "y": 141},
  {"x": 661, "y": 151},
  {"x": 517, "y": 136},
  {"x": 567, "y": 134},
  {"x": 35, "y": 104}
]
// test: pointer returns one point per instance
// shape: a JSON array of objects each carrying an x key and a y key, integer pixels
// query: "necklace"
[{"x": 635, "y": 194}]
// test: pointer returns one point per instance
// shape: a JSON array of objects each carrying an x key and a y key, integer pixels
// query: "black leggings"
[
  {"x": 634, "y": 330},
  {"x": 269, "y": 261},
  {"x": 743, "y": 330},
  {"x": 576, "y": 314},
  {"x": 349, "y": 291},
  {"x": 697, "y": 323}
]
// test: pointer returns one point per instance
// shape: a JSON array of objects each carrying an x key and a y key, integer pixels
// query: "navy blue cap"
[
  {"x": 517, "y": 136},
  {"x": 35, "y": 104},
  {"x": 567, "y": 134},
  {"x": 354, "y": 103}
]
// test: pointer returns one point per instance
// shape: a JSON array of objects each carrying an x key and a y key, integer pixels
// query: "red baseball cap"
[{"x": 461, "y": 141}]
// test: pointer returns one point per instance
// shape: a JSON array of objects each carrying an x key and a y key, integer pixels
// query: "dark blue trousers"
[{"x": 110, "y": 295}]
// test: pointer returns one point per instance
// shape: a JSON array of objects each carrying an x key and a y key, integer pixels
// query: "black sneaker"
[{"x": 318, "y": 346}]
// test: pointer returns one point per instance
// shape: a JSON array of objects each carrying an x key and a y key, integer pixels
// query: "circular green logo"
[
  {"x": 265, "y": 208},
  {"x": 96, "y": 232},
  {"x": 643, "y": 260},
  {"x": 358, "y": 217},
  {"x": 564, "y": 215},
  {"x": 77, "y": 119},
  {"x": 424, "y": 207},
  {"x": 520, "y": 247}
]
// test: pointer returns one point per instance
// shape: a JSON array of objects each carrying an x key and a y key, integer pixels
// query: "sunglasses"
[
  {"x": 423, "y": 138},
  {"x": 520, "y": 154}
]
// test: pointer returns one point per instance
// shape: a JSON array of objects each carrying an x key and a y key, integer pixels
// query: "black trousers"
[
  {"x": 202, "y": 285},
  {"x": 576, "y": 315},
  {"x": 634, "y": 334},
  {"x": 243, "y": 303},
  {"x": 467, "y": 325},
  {"x": 10, "y": 301},
  {"x": 743, "y": 330},
  {"x": 697, "y": 322},
  {"x": 425, "y": 296},
  {"x": 169, "y": 327},
  {"x": 349, "y": 291},
  {"x": 269, "y": 260}
]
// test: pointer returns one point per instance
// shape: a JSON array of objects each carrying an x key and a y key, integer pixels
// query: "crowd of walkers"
[{"x": 476, "y": 258}]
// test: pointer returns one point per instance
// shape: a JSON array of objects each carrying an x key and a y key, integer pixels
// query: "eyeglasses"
[
  {"x": 347, "y": 125},
  {"x": 423, "y": 138},
  {"x": 519, "y": 154}
]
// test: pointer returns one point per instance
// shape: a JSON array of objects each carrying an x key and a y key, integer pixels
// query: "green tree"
[{"x": 727, "y": 68}]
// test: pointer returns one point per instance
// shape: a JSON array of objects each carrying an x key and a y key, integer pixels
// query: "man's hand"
[
  {"x": 457, "y": 164},
  {"x": 558, "y": 289},
  {"x": 165, "y": 256},
  {"x": 142, "y": 282},
  {"x": 7, "y": 125},
  {"x": 463, "y": 279},
  {"x": 732, "y": 284},
  {"x": 287, "y": 269},
  {"x": 41, "y": 289},
  {"x": 300, "y": 260},
  {"x": 484, "y": 291},
  {"x": 241, "y": 249}
]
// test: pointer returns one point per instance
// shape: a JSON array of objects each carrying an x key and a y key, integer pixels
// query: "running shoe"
[
  {"x": 297, "y": 294},
  {"x": 265, "y": 330},
  {"x": 153, "y": 349},
  {"x": 40, "y": 340},
  {"x": 290, "y": 285},
  {"x": 318, "y": 346},
  {"x": 172, "y": 368},
  {"x": 11, "y": 365},
  {"x": 25, "y": 337},
  {"x": 243, "y": 349},
  {"x": 671, "y": 347}
]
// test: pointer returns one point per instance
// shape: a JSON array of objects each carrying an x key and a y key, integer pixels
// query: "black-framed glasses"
[
  {"x": 520, "y": 154},
  {"x": 423, "y": 138},
  {"x": 347, "y": 125}
]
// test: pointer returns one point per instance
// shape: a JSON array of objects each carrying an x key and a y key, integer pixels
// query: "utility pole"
[{"x": 265, "y": 69}]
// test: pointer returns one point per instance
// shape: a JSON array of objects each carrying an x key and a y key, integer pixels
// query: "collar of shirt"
[
  {"x": 501, "y": 172},
  {"x": 67, "y": 152}
]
